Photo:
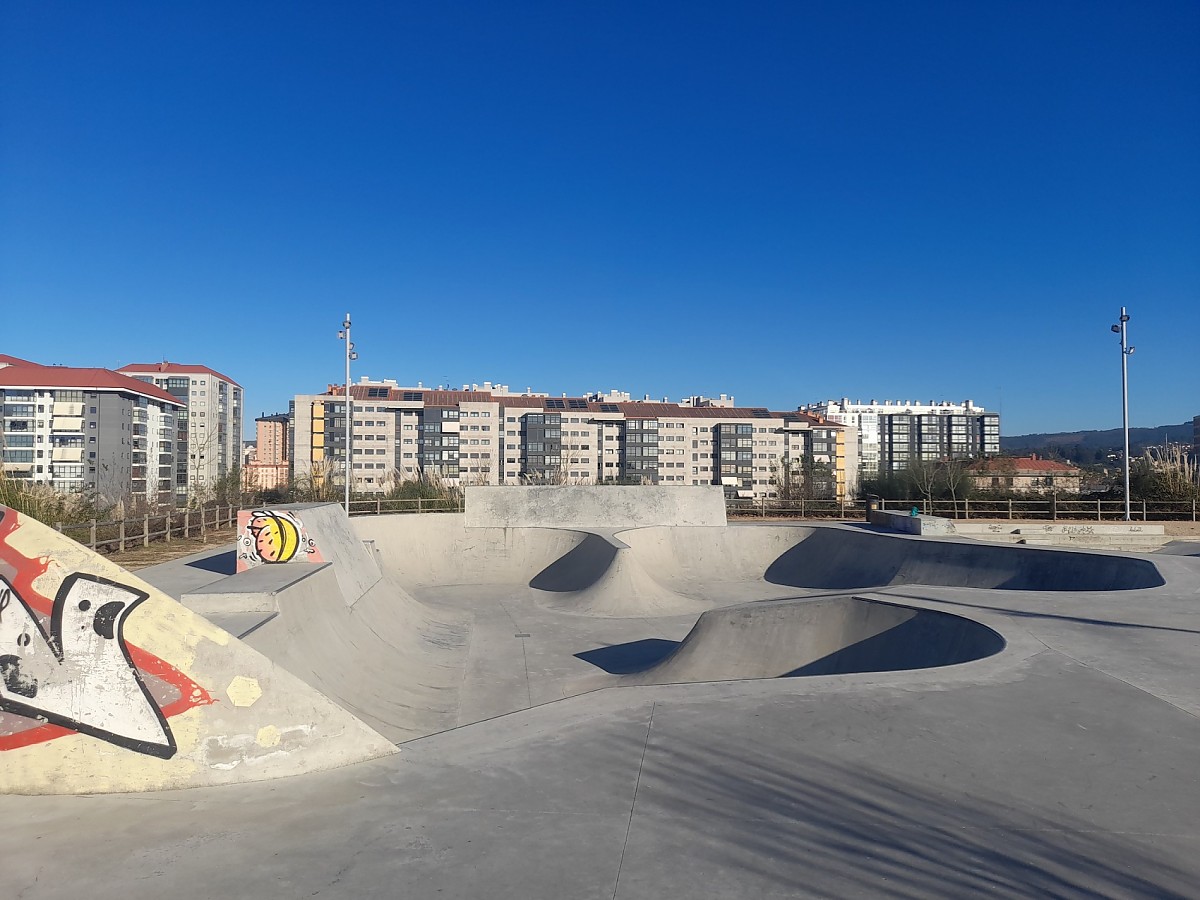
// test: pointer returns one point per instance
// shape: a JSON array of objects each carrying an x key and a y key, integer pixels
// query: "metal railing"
[
  {"x": 417, "y": 505},
  {"x": 1051, "y": 509}
]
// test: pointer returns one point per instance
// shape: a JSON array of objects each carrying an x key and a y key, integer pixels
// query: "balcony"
[{"x": 66, "y": 423}]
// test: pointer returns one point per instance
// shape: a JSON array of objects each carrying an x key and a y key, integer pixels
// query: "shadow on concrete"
[
  {"x": 224, "y": 563},
  {"x": 1027, "y": 614},
  {"x": 748, "y": 820},
  {"x": 836, "y": 635},
  {"x": 1180, "y": 548},
  {"x": 621, "y": 659},
  {"x": 924, "y": 641},
  {"x": 579, "y": 568},
  {"x": 845, "y": 559}
]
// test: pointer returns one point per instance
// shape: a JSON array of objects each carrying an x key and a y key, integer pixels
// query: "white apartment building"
[
  {"x": 88, "y": 430},
  {"x": 498, "y": 437},
  {"x": 891, "y": 433},
  {"x": 209, "y": 436}
]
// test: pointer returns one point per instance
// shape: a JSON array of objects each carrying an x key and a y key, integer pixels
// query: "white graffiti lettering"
[{"x": 79, "y": 673}]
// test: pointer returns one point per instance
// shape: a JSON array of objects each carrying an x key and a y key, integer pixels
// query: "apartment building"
[
  {"x": 893, "y": 433},
  {"x": 498, "y": 437},
  {"x": 267, "y": 459},
  {"x": 88, "y": 430},
  {"x": 210, "y": 428}
]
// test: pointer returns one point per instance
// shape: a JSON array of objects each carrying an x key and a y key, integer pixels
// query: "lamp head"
[{"x": 1116, "y": 330}]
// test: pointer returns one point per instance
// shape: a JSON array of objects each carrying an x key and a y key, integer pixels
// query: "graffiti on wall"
[
  {"x": 66, "y": 667},
  {"x": 273, "y": 536}
]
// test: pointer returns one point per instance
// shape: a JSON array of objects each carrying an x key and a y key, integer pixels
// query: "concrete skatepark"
[{"x": 621, "y": 707}]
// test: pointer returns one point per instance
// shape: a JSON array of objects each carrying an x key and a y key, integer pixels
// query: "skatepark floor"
[{"x": 1063, "y": 766}]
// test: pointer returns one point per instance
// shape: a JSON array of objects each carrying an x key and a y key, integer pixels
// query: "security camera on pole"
[
  {"x": 1126, "y": 351},
  {"x": 344, "y": 335}
]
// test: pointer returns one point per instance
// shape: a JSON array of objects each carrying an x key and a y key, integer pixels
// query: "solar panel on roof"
[
  {"x": 413, "y": 395},
  {"x": 609, "y": 407},
  {"x": 762, "y": 414},
  {"x": 555, "y": 404},
  {"x": 377, "y": 392},
  {"x": 577, "y": 404}
]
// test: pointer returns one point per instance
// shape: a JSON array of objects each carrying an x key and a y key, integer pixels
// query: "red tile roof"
[
  {"x": 6, "y": 360},
  {"x": 1020, "y": 465},
  {"x": 170, "y": 368},
  {"x": 39, "y": 376}
]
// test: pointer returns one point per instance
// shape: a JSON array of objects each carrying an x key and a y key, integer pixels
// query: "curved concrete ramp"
[
  {"x": 602, "y": 576},
  {"x": 850, "y": 559},
  {"x": 437, "y": 549},
  {"x": 824, "y": 636},
  {"x": 107, "y": 684},
  {"x": 384, "y": 656}
]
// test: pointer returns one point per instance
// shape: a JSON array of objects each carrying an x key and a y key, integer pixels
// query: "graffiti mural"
[
  {"x": 79, "y": 673},
  {"x": 66, "y": 667},
  {"x": 273, "y": 536}
]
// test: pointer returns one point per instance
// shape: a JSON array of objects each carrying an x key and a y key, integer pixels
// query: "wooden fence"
[{"x": 139, "y": 531}]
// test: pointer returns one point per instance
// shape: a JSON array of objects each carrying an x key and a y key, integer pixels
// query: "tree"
[
  {"x": 923, "y": 475},
  {"x": 956, "y": 478}
]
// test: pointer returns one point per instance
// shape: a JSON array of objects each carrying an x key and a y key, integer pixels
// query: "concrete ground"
[{"x": 1065, "y": 766}]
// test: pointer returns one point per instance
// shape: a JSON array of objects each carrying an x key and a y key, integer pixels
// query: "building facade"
[
  {"x": 268, "y": 466},
  {"x": 894, "y": 433},
  {"x": 1025, "y": 474},
  {"x": 88, "y": 430},
  {"x": 210, "y": 429},
  {"x": 496, "y": 437}
]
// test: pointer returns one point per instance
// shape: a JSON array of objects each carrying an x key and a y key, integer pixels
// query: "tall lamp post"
[
  {"x": 344, "y": 335},
  {"x": 1122, "y": 329}
]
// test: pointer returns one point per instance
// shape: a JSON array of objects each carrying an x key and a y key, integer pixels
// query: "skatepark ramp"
[
  {"x": 821, "y": 636},
  {"x": 337, "y": 623},
  {"x": 107, "y": 684},
  {"x": 602, "y": 576},
  {"x": 605, "y": 571},
  {"x": 850, "y": 559}
]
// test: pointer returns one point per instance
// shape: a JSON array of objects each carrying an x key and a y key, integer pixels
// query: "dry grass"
[{"x": 162, "y": 551}]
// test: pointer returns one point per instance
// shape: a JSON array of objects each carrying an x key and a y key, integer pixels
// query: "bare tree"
[
  {"x": 923, "y": 475},
  {"x": 956, "y": 478}
]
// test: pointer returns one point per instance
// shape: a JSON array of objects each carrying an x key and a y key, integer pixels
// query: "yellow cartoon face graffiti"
[{"x": 276, "y": 537}]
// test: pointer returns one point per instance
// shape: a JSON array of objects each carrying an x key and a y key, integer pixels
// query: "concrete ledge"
[
  {"x": 251, "y": 591},
  {"x": 1062, "y": 528},
  {"x": 909, "y": 524},
  {"x": 594, "y": 507}
]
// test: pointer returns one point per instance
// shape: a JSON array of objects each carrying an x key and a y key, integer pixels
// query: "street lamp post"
[
  {"x": 1122, "y": 329},
  {"x": 344, "y": 334}
]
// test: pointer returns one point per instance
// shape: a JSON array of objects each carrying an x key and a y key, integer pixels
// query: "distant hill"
[{"x": 1091, "y": 446}]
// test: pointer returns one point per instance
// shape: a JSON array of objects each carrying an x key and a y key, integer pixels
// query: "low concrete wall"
[
  {"x": 594, "y": 507},
  {"x": 909, "y": 524},
  {"x": 1069, "y": 529}
]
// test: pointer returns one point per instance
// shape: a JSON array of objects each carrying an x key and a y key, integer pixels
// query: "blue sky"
[{"x": 783, "y": 201}]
